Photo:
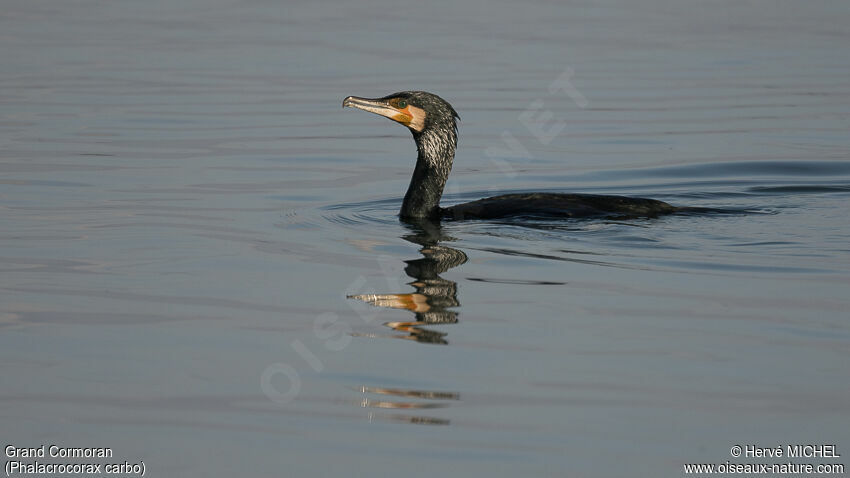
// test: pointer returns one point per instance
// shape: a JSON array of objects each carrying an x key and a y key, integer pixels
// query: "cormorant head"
[
  {"x": 420, "y": 111},
  {"x": 433, "y": 122}
]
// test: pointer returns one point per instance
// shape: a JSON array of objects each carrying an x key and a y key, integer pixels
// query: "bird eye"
[{"x": 402, "y": 104}]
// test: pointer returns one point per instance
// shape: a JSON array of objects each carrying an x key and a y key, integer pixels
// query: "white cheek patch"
[{"x": 417, "y": 118}]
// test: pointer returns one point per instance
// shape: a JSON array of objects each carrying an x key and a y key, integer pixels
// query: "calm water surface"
[{"x": 185, "y": 210}]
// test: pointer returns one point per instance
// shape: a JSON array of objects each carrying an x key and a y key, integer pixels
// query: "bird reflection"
[
  {"x": 415, "y": 400},
  {"x": 434, "y": 296}
]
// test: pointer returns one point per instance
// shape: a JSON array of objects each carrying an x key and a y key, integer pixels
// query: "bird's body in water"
[{"x": 433, "y": 122}]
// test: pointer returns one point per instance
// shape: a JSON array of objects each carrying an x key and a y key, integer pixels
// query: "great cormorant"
[{"x": 433, "y": 122}]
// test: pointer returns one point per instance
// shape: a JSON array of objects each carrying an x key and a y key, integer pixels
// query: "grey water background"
[{"x": 184, "y": 207}]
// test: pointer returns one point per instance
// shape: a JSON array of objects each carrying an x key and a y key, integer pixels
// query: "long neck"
[{"x": 436, "y": 152}]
